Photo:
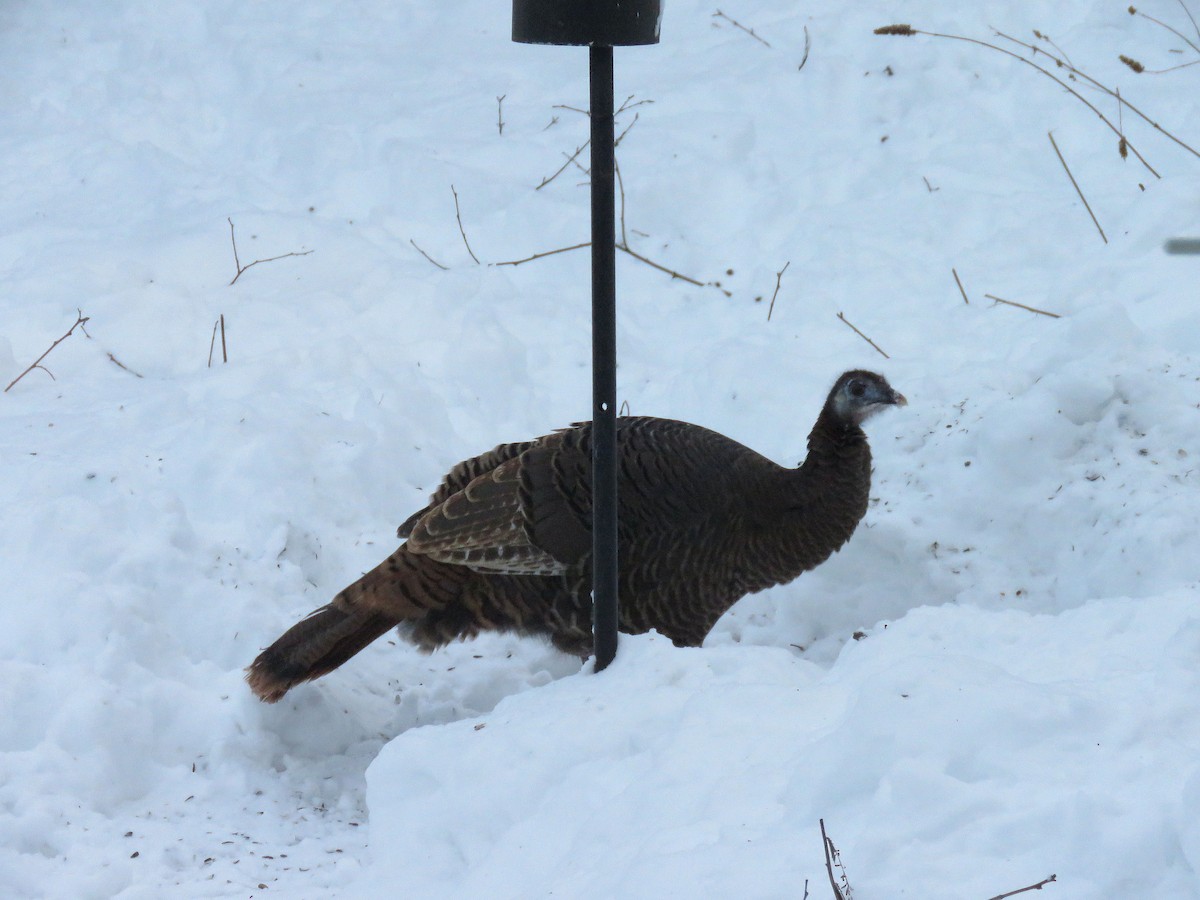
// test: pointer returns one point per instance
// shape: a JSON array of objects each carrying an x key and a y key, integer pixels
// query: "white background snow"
[{"x": 1025, "y": 696}]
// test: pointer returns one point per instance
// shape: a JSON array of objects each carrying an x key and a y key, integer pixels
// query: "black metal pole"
[{"x": 604, "y": 361}]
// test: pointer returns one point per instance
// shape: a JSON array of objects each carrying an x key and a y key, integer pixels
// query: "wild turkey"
[{"x": 505, "y": 542}]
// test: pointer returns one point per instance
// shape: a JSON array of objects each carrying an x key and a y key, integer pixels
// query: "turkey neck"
[{"x": 826, "y": 496}]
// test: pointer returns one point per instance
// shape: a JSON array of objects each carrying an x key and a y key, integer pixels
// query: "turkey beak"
[{"x": 899, "y": 399}]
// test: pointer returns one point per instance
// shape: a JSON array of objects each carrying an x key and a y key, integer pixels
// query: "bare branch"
[
  {"x": 908, "y": 30},
  {"x": 629, "y": 103},
  {"x": 1033, "y": 887},
  {"x": 238, "y": 264},
  {"x": 830, "y": 853},
  {"x": 1183, "y": 37},
  {"x": 80, "y": 321},
  {"x": 621, "y": 136},
  {"x": 863, "y": 336},
  {"x": 563, "y": 167},
  {"x": 778, "y": 281},
  {"x": 958, "y": 281},
  {"x": 212, "y": 343},
  {"x": 458, "y": 216},
  {"x": 517, "y": 262},
  {"x": 427, "y": 256},
  {"x": 621, "y": 187},
  {"x": 123, "y": 366},
  {"x": 1133, "y": 64},
  {"x": 736, "y": 24},
  {"x": 807, "y": 48},
  {"x": 1032, "y": 309},
  {"x": 1086, "y": 205}
]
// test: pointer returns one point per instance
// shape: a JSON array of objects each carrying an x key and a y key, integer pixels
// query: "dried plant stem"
[
  {"x": 570, "y": 159},
  {"x": 212, "y": 344},
  {"x": 1187, "y": 12},
  {"x": 624, "y": 248},
  {"x": 807, "y": 48},
  {"x": 427, "y": 256},
  {"x": 830, "y": 853},
  {"x": 1032, "y": 309},
  {"x": 621, "y": 136},
  {"x": 543, "y": 254},
  {"x": 1033, "y": 887},
  {"x": 238, "y": 264},
  {"x": 500, "y": 113},
  {"x": 1183, "y": 37},
  {"x": 621, "y": 189},
  {"x": 778, "y": 281},
  {"x": 123, "y": 366},
  {"x": 1062, "y": 63},
  {"x": 80, "y": 321},
  {"x": 1086, "y": 205},
  {"x": 958, "y": 281},
  {"x": 863, "y": 336},
  {"x": 461, "y": 230},
  {"x": 907, "y": 30},
  {"x": 736, "y": 24}
]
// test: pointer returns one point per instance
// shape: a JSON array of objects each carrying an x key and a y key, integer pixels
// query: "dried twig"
[
  {"x": 1032, "y": 309},
  {"x": 1132, "y": 63},
  {"x": 220, "y": 323},
  {"x": 908, "y": 31},
  {"x": 736, "y": 24},
  {"x": 123, "y": 366},
  {"x": 958, "y": 281},
  {"x": 517, "y": 262},
  {"x": 626, "y": 249},
  {"x": 621, "y": 136},
  {"x": 1191, "y": 18},
  {"x": 778, "y": 280},
  {"x": 427, "y": 256},
  {"x": 929, "y": 187},
  {"x": 458, "y": 216},
  {"x": 1134, "y": 11},
  {"x": 831, "y": 853},
  {"x": 238, "y": 264},
  {"x": 570, "y": 159},
  {"x": 500, "y": 113},
  {"x": 1046, "y": 38},
  {"x": 807, "y": 47},
  {"x": 1087, "y": 206},
  {"x": 630, "y": 103},
  {"x": 863, "y": 336},
  {"x": 1033, "y": 887},
  {"x": 621, "y": 189},
  {"x": 80, "y": 321}
]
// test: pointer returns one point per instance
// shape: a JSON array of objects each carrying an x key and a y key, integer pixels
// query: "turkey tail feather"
[{"x": 313, "y": 647}]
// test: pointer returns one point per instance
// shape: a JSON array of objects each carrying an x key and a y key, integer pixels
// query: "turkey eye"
[{"x": 857, "y": 389}]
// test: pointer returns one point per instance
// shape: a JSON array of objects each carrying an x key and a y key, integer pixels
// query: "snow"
[{"x": 1022, "y": 696}]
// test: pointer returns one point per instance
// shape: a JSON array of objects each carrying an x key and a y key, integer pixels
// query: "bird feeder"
[{"x": 599, "y": 25}]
